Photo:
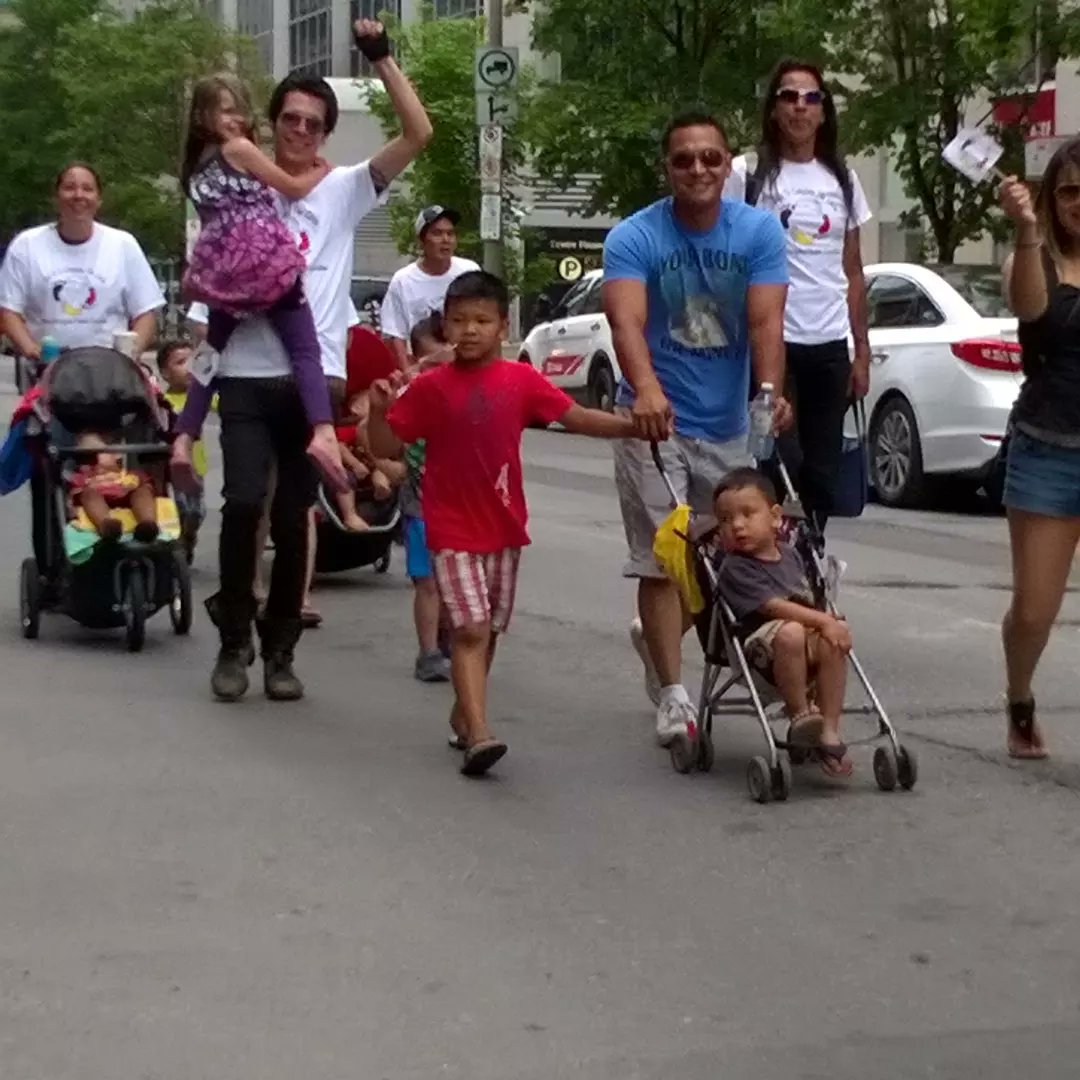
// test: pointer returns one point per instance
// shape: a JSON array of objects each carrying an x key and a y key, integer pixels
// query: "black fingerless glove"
[{"x": 373, "y": 48}]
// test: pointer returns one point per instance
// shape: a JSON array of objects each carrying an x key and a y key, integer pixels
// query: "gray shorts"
[{"x": 695, "y": 467}]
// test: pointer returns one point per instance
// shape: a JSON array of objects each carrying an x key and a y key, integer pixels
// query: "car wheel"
[
  {"x": 896, "y": 455},
  {"x": 602, "y": 385}
]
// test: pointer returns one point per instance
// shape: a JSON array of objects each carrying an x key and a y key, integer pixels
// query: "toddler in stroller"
[
  {"x": 761, "y": 593},
  {"x": 105, "y": 544},
  {"x": 788, "y": 639},
  {"x": 104, "y": 485}
]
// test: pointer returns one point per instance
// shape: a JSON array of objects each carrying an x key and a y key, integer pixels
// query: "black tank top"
[{"x": 1049, "y": 403}]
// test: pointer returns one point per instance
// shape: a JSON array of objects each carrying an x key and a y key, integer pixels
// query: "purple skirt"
[{"x": 243, "y": 266}]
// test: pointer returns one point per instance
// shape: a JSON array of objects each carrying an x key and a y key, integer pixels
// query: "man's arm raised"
[{"x": 416, "y": 130}]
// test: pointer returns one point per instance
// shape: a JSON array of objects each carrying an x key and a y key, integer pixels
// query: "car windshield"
[{"x": 980, "y": 286}]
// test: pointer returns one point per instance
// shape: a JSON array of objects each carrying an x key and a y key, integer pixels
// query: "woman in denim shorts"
[{"x": 1042, "y": 484}]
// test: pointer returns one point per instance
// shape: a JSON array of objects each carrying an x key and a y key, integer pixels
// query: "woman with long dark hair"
[
  {"x": 799, "y": 174},
  {"x": 1042, "y": 482}
]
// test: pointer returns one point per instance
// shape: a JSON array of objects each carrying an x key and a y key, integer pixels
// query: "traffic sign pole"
[{"x": 491, "y": 76}]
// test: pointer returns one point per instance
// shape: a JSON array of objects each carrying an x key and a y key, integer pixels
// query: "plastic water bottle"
[
  {"x": 759, "y": 444},
  {"x": 50, "y": 350}
]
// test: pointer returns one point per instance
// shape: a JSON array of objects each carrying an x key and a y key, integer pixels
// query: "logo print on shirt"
[
  {"x": 305, "y": 243},
  {"x": 700, "y": 324},
  {"x": 74, "y": 297},
  {"x": 800, "y": 236}
]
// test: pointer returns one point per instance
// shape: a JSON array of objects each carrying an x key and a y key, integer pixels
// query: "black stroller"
[
  {"x": 727, "y": 670},
  {"x": 99, "y": 584},
  {"x": 338, "y": 548}
]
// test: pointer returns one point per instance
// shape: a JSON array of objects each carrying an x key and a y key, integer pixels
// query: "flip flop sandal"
[
  {"x": 457, "y": 742},
  {"x": 1022, "y": 730},
  {"x": 481, "y": 757},
  {"x": 831, "y": 758},
  {"x": 310, "y": 619}
]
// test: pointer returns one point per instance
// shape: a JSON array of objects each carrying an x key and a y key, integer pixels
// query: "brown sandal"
[
  {"x": 1024, "y": 739},
  {"x": 806, "y": 728}
]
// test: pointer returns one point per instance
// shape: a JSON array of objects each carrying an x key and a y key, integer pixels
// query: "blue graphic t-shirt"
[{"x": 697, "y": 325}]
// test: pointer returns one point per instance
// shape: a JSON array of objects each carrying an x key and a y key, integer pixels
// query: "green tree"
[
  {"x": 114, "y": 92},
  {"x": 938, "y": 66},
  {"x": 438, "y": 56},
  {"x": 628, "y": 65}
]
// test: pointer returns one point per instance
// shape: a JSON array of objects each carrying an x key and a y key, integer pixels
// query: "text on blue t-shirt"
[{"x": 697, "y": 328}]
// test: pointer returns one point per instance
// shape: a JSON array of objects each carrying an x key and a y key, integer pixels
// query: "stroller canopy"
[{"x": 98, "y": 389}]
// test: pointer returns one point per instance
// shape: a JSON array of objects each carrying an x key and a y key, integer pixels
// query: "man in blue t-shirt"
[{"x": 694, "y": 289}]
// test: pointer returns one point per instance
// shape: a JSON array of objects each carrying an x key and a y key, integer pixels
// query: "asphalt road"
[{"x": 311, "y": 892}]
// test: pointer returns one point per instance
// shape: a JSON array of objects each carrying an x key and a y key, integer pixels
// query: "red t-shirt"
[{"x": 472, "y": 420}]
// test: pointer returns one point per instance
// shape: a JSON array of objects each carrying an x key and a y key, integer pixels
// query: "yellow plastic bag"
[{"x": 675, "y": 557}]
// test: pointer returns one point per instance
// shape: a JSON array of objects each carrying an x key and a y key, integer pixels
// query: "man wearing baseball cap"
[{"x": 419, "y": 289}]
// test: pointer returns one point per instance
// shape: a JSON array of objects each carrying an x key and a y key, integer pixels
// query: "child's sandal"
[{"x": 806, "y": 728}]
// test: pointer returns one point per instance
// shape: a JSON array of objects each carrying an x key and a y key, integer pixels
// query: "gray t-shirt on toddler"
[{"x": 748, "y": 583}]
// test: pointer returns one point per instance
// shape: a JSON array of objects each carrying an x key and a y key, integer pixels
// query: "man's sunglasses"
[
  {"x": 1068, "y": 193},
  {"x": 308, "y": 124},
  {"x": 790, "y": 96},
  {"x": 685, "y": 159}
]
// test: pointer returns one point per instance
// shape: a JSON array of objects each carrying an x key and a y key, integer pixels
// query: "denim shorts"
[
  {"x": 1041, "y": 478},
  {"x": 417, "y": 557}
]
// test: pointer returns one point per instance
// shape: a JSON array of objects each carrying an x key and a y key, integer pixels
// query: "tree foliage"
[
  {"x": 438, "y": 56},
  {"x": 628, "y": 65},
  {"x": 79, "y": 80},
  {"x": 938, "y": 65}
]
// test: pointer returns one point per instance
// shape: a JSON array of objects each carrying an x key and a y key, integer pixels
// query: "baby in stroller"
[
  {"x": 372, "y": 479},
  {"x": 104, "y": 484},
  {"x": 795, "y": 645}
]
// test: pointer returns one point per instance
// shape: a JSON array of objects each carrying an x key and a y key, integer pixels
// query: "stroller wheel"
[
  {"x": 683, "y": 754},
  {"x": 781, "y": 779},
  {"x": 907, "y": 768},
  {"x": 134, "y": 604},
  {"x": 759, "y": 780},
  {"x": 180, "y": 594},
  {"x": 886, "y": 767},
  {"x": 706, "y": 754},
  {"x": 30, "y": 599}
]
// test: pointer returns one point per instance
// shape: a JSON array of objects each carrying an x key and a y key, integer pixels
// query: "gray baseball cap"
[{"x": 430, "y": 214}]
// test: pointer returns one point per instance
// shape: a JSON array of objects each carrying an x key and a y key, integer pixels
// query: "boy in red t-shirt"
[{"x": 472, "y": 413}]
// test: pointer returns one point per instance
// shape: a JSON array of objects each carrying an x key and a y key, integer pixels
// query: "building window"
[
  {"x": 310, "y": 38},
  {"x": 369, "y": 9},
  {"x": 256, "y": 19},
  {"x": 459, "y": 9}
]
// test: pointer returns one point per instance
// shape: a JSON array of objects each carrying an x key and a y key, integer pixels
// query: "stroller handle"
[{"x": 658, "y": 461}]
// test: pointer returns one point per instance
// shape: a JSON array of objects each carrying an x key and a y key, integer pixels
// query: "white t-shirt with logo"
[
  {"x": 414, "y": 294},
  {"x": 807, "y": 199},
  {"x": 79, "y": 294},
  {"x": 323, "y": 223}
]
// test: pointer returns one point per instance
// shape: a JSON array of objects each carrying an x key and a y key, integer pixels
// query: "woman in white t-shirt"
[
  {"x": 76, "y": 280},
  {"x": 800, "y": 175}
]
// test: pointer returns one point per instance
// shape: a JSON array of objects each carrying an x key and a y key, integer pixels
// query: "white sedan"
[
  {"x": 573, "y": 347},
  {"x": 945, "y": 374}
]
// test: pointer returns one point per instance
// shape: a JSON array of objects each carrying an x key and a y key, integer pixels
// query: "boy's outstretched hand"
[{"x": 382, "y": 392}]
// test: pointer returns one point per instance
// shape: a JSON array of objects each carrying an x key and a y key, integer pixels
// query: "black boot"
[
  {"x": 279, "y": 638},
  {"x": 229, "y": 679}
]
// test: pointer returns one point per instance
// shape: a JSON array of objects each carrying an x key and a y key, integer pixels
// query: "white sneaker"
[
  {"x": 652, "y": 680},
  {"x": 674, "y": 718}
]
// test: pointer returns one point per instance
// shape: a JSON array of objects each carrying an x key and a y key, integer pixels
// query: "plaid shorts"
[{"x": 477, "y": 589}]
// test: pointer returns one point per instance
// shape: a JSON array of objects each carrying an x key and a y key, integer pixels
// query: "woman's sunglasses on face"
[
  {"x": 307, "y": 124},
  {"x": 1068, "y": 193},
  {"x": 685, "y": 159},
  {"x": 789, "y": 95}
]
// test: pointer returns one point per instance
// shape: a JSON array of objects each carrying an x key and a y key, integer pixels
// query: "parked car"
[
  {"x": 572, "y": 345},
  {"x": 367, "y": 296},
  {"x": 945, "y": 374}
]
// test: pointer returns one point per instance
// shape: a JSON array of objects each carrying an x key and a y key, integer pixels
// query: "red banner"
[{"x": 1035, "y": 111}]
